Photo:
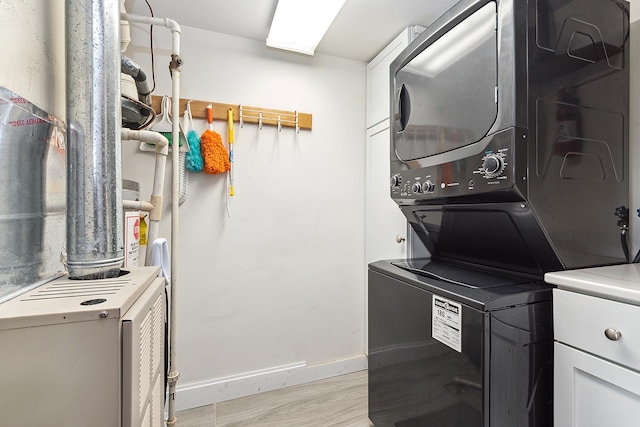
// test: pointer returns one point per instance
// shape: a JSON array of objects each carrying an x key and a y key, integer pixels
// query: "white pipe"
[
  {"x": 125, "y": 33},
  {"x": 138, "y": 205},
  {"x": 173, "y": 373},
  {"x": 151, "y": 137},
  {"x": 155, "y": 206},
  {"x": 174, "y": 66},
  {"x": 155, "y": 215},
  {"x": 169, "y": 24}
]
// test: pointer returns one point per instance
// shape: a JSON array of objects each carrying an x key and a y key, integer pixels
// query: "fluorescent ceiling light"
[{"x": 299, "y": 25}]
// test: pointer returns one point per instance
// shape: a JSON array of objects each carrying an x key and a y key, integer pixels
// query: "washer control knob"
[
  {"x": 396, "y": 180},
  {"x": 416, "y": 188},
  {"x": 428, "y": 187},
  {"x": 492, "y": 165}
]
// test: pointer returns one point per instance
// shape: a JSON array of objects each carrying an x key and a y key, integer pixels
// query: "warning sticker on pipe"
[{"x": 446, "y": 325}]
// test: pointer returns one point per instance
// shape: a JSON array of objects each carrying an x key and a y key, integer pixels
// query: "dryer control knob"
[
  {"x": 428, "y": 187},
  {"x": 416, "y": 188},
  {"x": 492, "y": 165}
]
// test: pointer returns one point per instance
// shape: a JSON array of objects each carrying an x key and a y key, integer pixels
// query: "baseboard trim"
[{"x": 218, "y": 390}]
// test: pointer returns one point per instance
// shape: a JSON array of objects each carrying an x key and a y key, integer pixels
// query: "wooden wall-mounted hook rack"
[{"x": 257, "y": 115}]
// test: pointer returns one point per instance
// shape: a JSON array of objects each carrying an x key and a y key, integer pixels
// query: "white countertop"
[{"x": 616, "y": 282}]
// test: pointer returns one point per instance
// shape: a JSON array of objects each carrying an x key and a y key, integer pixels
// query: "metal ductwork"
[{"x": 94, "y": 177}]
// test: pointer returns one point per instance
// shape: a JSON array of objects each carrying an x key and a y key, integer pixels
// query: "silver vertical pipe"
[{"x": 94, "y": 176}]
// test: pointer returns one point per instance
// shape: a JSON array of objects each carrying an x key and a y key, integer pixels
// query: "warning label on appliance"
[
  {"x": 446, "y": 325},
  {"x": 132, "y": 238}
]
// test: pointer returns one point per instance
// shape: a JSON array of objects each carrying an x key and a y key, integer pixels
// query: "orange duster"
[{"x": 214, "y": 154}]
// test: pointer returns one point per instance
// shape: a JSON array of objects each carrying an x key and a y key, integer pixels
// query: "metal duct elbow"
[{"x": 94, "y": 176}]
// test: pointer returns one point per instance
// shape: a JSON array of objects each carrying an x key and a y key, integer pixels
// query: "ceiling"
[{"x": 361, "y": 30}]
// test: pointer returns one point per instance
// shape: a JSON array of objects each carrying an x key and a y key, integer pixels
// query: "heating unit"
[{"x": 79, "y": 353}]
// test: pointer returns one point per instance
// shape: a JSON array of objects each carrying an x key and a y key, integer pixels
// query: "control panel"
[{"x": 487, "y": 171}]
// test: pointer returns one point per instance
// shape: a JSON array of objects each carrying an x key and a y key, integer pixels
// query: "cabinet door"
[
  {"x": 593, "y": 392},
  {"x": 383, "y": 218}
]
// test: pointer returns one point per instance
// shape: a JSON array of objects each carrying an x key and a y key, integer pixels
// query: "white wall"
[
  {"x": 32, "y": 52},
  {"x": 279, "y": 285}
]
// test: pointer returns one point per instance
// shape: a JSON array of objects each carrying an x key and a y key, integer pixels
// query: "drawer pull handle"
[{"x": 612, "y": 334}]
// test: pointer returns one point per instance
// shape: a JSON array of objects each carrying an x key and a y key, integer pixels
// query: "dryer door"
[{"x": 446, "y": 97}]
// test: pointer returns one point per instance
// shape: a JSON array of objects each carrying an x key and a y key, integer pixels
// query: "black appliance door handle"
[{"x": 403, "y": 109}]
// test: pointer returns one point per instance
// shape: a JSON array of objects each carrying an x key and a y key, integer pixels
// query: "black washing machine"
[{"x": 455, "y": 346}]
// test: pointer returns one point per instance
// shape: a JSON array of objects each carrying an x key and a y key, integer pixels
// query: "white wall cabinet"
[
  {"x": 383, "y": 219},
  {"x": 597, "y": 361}
]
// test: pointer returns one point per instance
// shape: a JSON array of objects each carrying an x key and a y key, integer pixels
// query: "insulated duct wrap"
[
  {"x": 132, "y": 69},
  {"x": 94, "y": 118}
]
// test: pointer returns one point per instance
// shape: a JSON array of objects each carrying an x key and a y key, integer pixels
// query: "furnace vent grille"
[{"x": 74, "y": 289}]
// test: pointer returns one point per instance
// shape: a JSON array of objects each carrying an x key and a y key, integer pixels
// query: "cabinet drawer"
[{"x": 581, "y": 320}]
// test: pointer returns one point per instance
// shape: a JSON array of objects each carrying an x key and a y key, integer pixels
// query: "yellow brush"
[{"x": 230, "y": 131}]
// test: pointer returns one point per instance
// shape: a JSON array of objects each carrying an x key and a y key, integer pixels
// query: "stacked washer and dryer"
[{"x": 509, "y": 159}]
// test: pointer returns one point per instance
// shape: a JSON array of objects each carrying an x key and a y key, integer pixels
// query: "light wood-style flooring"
[{"x": 334, "y": 402}]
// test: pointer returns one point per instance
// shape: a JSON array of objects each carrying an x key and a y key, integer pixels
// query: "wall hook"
[{"x": 245, "y": 114}]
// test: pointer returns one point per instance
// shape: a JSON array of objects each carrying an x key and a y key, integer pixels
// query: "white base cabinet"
[
  {"x": 596, "y": 361},
  {"x": 593, "y": 392}
]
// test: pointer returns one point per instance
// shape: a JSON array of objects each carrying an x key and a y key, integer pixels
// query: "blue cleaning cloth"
[{"x": 193, "y": 159}]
